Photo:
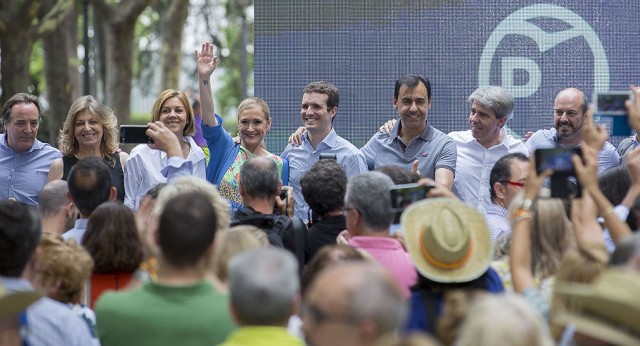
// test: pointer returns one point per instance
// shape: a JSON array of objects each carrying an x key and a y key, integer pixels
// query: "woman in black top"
[{"x": 91, "y": 129}]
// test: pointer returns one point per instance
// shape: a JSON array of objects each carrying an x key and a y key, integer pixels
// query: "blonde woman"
[
  {"x": 227, "y": 157},
  {"x": 91, "y": 129},
  {"x": 145, "y": 166}
]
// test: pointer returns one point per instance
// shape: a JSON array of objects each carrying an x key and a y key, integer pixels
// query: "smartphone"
[
  {"x": 134, "y": 134},
  {"x": 611, "y": 112},
  {"x": 329, "y": 156},
  {"x": 404, "y": 195},
  {"x": 563, "y": 181},
  {"x": 557, "y": 159}
]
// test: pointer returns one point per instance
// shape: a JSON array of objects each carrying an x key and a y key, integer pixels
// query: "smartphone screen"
[
  {"x": 611, "y": 112},
  {"x": 557, "y": 159},
  {"x": 404, "y": 195},
  {"x": 134, "y": 134}
]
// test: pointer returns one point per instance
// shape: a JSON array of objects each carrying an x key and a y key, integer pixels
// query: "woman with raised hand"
[
  {"x": 91, "y": 129},
  {"x": 227, "y": 157},
  {"x": 146, "y": 166}
]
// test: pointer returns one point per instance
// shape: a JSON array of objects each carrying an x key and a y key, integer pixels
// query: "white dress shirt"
[
  {"x": 474, "y": 164},
  {"x": 146, "y": 168}
]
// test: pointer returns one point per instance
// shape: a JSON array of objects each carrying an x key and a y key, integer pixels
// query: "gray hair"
[
  {"x": 53, "y": 197},
  {"x": 263, "y": 284},
  {"x": 376, "y": 296},
  {"x": 259, "y": 178},
  {"x": 369, "y": 193},
  {"x": 495, "y": 98}
]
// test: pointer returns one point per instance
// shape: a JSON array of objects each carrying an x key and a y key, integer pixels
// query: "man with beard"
[{"x": 569, "y": 114}]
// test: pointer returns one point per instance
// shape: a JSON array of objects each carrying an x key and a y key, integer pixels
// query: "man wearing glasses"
[
  {"x": 24, "y": 160},
  {"x": 507, "y": 179},
  {"x": 483, "y": 144}
]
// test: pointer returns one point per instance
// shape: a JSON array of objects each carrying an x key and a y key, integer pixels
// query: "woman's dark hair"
[{"x": 112, "y": 239}]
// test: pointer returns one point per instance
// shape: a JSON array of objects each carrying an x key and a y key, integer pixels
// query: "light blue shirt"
[
  {"x": 432, "y": 148},
  {"x": 50, "y": 322},
  {"x": 23, "y": 175},
  {"x": 77, "y": 232},
  {"x": 302, "y": 157},
  {"x": 496, "y": 216},
  {"x": 607, "y": 157}
]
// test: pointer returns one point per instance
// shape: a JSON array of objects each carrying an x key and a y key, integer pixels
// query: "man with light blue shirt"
[
  {"x": 24, "y": 160},
  {"x": 569, "y": 113},
  {"x": 318, "y": 109},
  {"x": 45, "y": 322},
  {"x": 412, "y": 138}
]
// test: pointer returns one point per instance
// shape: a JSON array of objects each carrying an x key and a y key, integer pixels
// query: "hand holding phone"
[
  {"x": 610, "y": 111},
  {"x": 134, "y": 134}
]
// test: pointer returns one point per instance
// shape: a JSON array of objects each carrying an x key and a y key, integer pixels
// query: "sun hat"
[
  {"x": 12, "y": 303},
  {"x": 448, "y": 241},
  {"x": 607, "y": 309}
]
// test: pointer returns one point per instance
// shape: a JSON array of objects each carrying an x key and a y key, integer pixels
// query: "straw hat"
[
  {"x": 448, "y": 240},
  {"x": 12, "y": 303},
  {"x": 608, "y": 309}
]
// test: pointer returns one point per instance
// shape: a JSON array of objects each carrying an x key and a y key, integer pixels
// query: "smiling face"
[
  {"x": 485, "y": 126},
  {"x": 88, "y": 130},
  {"x": 568, "y": 116},
  {"x": 314, "y": 113},
  {"x": 413, "y": 105},
  {"x": 173, "y": 114},
  {"x": 253, "y": 126},
  {"x": 22, "y": 128}
]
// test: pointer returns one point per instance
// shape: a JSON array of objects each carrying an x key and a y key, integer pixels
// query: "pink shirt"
[{"x": 390, "y": 254}]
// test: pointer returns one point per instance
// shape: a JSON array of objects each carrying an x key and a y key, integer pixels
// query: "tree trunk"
[
  {"x": 16, "y": 50},
  {"x": 63, "y": 84},
  {"x": 171, "y": 29},
  {"x": 119, "y": 22}
]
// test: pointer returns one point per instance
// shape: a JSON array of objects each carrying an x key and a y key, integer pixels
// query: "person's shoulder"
[
  {"x": 460, "y": 136},
  {"x": 140, "y": 149},
  {"x": 53, "y": 311},
  {"x": 344, "y": 143}
]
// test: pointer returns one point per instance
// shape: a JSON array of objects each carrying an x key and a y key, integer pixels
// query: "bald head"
[
  {"x": 53, "y": 197},
  {"x": 569, "y": 110},
  {"x": 362, "y": 294}
]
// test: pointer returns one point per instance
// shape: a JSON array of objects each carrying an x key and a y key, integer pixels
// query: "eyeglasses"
[
  {"x": 346, "y": 210},
  {"x": 318, "y": 316},
  {"x": 514, "y": 183}
]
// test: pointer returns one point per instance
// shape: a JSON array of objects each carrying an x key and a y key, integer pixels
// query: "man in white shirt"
[{"x": 483, "y": 144}]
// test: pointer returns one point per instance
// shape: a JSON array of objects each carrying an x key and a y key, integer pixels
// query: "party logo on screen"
[{"x": 522, "y": 71}]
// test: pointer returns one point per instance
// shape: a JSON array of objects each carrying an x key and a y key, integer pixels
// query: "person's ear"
[
  {"x": 113, "y": 193},
  {"x": 502, "y": 121},
  {"x": 395, "y": 103},
  {"x": 69, "y": 197},
  {"x": 500, "y": 190}
]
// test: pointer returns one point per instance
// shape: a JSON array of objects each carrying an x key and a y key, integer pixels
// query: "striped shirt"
[{"x": 302, "y": 157}]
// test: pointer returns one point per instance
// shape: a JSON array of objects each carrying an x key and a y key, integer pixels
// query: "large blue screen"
[{"x": 532, "y": 49}]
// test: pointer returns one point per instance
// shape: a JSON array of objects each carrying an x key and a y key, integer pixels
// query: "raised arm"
[
  {"x": 206, "y": 60},
  {"x": 586, "y": 170},
  {"x": 520, "y": 217}
]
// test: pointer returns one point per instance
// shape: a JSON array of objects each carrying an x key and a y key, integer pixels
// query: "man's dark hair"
[
  {"x": 322, "y": 87},
  {"x": 19, "y": 237},
  {"x": 89, "y": 184},
  {"x": 259, "y": 178},
  {"x": 399, "y": 175},
  {"x": 187, "y": 228},
  {"x": 17, "y": 99},
  {"x": 324, "y": 186},
  {"x": 501, "y": 171},
  {"x": 412, "y": 81}
]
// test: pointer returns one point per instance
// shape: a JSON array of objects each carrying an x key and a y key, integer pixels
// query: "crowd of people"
[{"x": 231, "y": 244}]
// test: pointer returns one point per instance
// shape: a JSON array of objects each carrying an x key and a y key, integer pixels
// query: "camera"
[
  {"x": 563, "y": 181},
  {"x": 134, "y": 134},
  {"x": 611, "y": 112},
  {"x": 404, "y": 195}
]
